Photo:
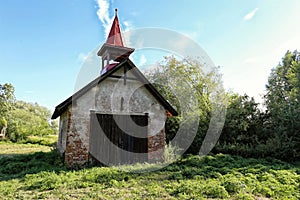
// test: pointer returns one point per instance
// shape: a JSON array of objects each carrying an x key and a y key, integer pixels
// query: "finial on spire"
[{"x": 113, "y": 48}]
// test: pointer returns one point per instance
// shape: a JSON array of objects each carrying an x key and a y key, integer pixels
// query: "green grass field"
[
  {"x": 41, "y": 175},
  {"x": 12, "y": 149}
]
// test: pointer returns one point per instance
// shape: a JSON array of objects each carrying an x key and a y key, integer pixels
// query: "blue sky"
[{"x": 43, "y": 44}]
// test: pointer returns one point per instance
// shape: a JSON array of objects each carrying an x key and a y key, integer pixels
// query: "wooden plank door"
[{"x": 118, "y": 138}]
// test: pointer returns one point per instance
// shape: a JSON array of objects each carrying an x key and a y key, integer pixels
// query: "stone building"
[{"x": 117, "y": 118}]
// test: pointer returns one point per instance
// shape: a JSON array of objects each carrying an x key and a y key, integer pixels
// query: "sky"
[{"x": 44, "y": 44}]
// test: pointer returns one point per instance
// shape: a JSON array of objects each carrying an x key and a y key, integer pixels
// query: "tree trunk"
[{"x": 3, "y": 132}]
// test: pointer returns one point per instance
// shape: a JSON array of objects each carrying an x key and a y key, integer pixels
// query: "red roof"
[
  {"x": 114, "y": 36},
  {"x": 108, "y": 67}
]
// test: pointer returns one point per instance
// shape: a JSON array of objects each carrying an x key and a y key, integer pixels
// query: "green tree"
[
  {"x": 243, "y": 128},
  {"x": 29, "y": 119},
  {"x": 241, "y": 120},
  {"x": 190, "y": 88},
  {"x": 3, "y": 126},
  {"x": 19, "y": 119},
  {"x": 7, "y": 98},
  {"x": 283, "y": 107}
]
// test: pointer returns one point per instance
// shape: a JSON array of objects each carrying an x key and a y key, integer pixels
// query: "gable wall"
[{"x": 106, "y": 98}]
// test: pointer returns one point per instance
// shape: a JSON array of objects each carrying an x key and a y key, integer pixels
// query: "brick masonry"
[
  {"x": 156, "y": 146},
  {"x": 77, "y": 152}
]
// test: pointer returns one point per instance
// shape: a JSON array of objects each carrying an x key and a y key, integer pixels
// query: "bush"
[{"x": 49, "y": 140}]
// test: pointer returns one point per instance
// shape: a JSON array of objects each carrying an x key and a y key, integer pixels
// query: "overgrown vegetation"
[
  {"x": 42, "y": 175},
  {"x": 189, "y": 87},
  {"x": 248, "y": 131},
  {"x": 274, "y": 132}
]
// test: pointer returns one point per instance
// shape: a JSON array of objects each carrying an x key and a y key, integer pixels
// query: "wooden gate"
[{"x": 119, "y": 139}]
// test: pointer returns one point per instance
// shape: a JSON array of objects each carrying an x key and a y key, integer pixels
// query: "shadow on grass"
[{"x": 17, "y": 166}]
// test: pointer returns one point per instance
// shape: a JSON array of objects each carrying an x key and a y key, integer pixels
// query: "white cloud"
[
  {"x": 142, "y": 61},
  {"x": 128, "y": 25},
  {"x": 106, "y": 20},
  {"x": 103, "y": 15},
  {"x": 250, "y": 15},
  {"x": 126, "y": 36}
]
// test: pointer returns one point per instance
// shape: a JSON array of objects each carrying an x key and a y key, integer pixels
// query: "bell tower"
[{"x": 113, "y": 50}]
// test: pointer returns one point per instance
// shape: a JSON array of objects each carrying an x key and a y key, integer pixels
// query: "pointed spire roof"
[
  {"x": 113, "y": 48},
  {"x": 114, "y": 36}
]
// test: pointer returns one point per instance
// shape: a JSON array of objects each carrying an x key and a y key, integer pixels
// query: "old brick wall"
[
  {"x": 156, "y": 146},
  {"x": 77, "y": 142}
]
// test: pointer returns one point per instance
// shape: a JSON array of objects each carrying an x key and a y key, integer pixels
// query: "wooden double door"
[{"x": 119, "y": 138}]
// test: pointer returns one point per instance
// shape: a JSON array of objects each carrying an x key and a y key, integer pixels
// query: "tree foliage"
[
  {"x": 248, "y": 130},
  {"x": 274, "y": 132},
  {"x": 29, "y": 119},
  {"x": 7, "y": 99},
  {"x": 189, "y": 87},
  {"x": 242, "y": 123},
  {"x": 243, "y": 132},
  {"x": 282, "y": 101},
  {"x": 21, "y": 118}
]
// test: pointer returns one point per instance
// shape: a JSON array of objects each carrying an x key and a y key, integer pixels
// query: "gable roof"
[{"x": 62, "y": 107}]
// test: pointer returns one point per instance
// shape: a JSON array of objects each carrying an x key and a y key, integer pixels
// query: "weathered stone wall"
[
  {"x": 77, "y": 145},
  {"x": 111, "y": 96}
]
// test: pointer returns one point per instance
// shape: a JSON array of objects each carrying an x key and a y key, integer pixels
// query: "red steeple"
[
  {"x": 113, "y": 50},
  {"x": 114, "y": 36}
]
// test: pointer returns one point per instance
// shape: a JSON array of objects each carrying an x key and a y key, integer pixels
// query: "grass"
[
  {"x": 42, "y": 175},
  {"x": 12, "y": 149}
]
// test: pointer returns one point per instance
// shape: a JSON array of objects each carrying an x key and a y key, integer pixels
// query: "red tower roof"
[{"x": 114, "y": 36}]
